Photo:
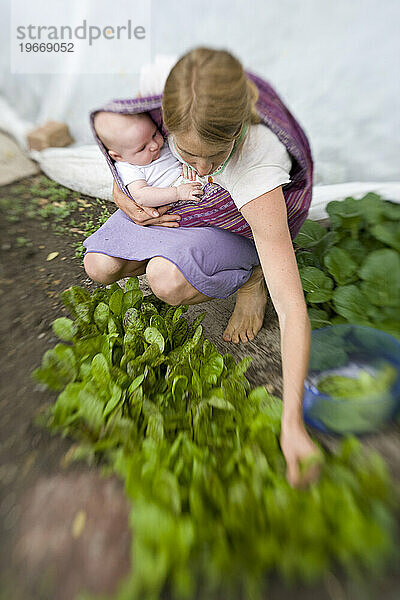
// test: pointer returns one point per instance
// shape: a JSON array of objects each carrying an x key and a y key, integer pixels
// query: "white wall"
[{"x": 334, "y": 62}]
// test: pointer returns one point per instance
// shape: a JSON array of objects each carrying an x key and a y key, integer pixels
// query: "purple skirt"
[{"x": 215, "y": 261}]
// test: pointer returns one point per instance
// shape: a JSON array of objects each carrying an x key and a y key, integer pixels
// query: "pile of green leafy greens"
[
  {"x": 148, "y": 398},
  {"x": 351, "y": 271},
  {"x": 356, "y": 404},
  {"x": 363, "y": 386}
]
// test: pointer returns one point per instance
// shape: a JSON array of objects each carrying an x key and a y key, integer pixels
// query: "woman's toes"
[
  {"x": 250, "y": 335},
  {"x": 227, "y": 335},
  {"x": 235, "y": 337},
  {"x": 243, "y": 337}
]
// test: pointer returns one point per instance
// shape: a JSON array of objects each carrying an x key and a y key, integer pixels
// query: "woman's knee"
[
  {"x": 166, "y": 281},
  {"x": 101, "y": 268}
]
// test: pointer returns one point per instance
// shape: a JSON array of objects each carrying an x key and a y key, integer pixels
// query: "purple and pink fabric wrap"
[{"x": 206, "y": 247}]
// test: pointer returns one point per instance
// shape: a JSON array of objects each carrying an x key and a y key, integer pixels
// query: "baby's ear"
[{"x": 114, "y": 155}]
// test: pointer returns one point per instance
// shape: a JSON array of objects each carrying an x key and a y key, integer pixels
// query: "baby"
[{"x": 145, "y": 164}]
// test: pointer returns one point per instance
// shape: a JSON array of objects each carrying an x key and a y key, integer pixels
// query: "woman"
[{"x": 209, "y": 109}]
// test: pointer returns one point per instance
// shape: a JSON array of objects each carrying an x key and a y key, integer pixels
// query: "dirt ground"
[{"x": 63, "y": 527}]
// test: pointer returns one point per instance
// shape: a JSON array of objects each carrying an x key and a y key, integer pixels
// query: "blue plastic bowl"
[{"x": 348, "y": 350}]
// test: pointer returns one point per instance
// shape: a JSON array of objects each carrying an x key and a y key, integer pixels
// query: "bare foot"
[{"x": 248, "y": 314}]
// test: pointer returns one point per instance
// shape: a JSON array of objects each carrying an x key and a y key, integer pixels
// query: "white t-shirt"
[
  {"x": 162, "y": 172},
  {"x": 262, "y": 164}
]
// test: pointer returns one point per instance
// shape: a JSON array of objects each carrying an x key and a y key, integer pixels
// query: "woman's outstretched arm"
[{"x": 267, "y": 216}]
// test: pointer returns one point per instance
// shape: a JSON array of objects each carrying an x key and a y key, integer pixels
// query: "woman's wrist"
[{"x": 292, "y": 419}]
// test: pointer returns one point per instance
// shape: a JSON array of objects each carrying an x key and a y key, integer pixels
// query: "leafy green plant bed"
[
  {"x": 148, "y": 398},
  {"x": 351, "y": 272}
]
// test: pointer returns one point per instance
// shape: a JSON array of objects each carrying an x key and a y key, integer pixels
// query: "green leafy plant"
[
  {"x": 340, "y": 386},
  {"x": 351, "y": 272},
  {"x": 149, "y": 398}
]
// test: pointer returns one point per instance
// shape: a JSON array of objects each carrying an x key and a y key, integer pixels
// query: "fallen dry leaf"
[
  {"x": 68, "y": 457},
  {"x": 78, "y": 524},
  {"x": 85, "y": 204},
  {"x": 29, "y": 462},
  {"x": 52, "y": 255}
]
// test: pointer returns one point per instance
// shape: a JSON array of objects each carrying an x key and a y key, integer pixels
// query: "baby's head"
[{"x": 130, "y": 138}]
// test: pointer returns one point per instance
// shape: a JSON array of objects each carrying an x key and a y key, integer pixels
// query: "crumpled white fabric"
[
  {"x": 13, "y": 124},
  {"x": 81, "y": 168}
]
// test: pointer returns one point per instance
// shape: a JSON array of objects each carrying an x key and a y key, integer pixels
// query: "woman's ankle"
[{"x": 255, "y": 280}]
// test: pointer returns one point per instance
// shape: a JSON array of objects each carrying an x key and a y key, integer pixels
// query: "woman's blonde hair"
[{"x": 207, "y": 92}]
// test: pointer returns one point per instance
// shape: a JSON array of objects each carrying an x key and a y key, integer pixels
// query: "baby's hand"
[
  {"x": 188, "y": 173},
  {"x": 189, "y": 191}
]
